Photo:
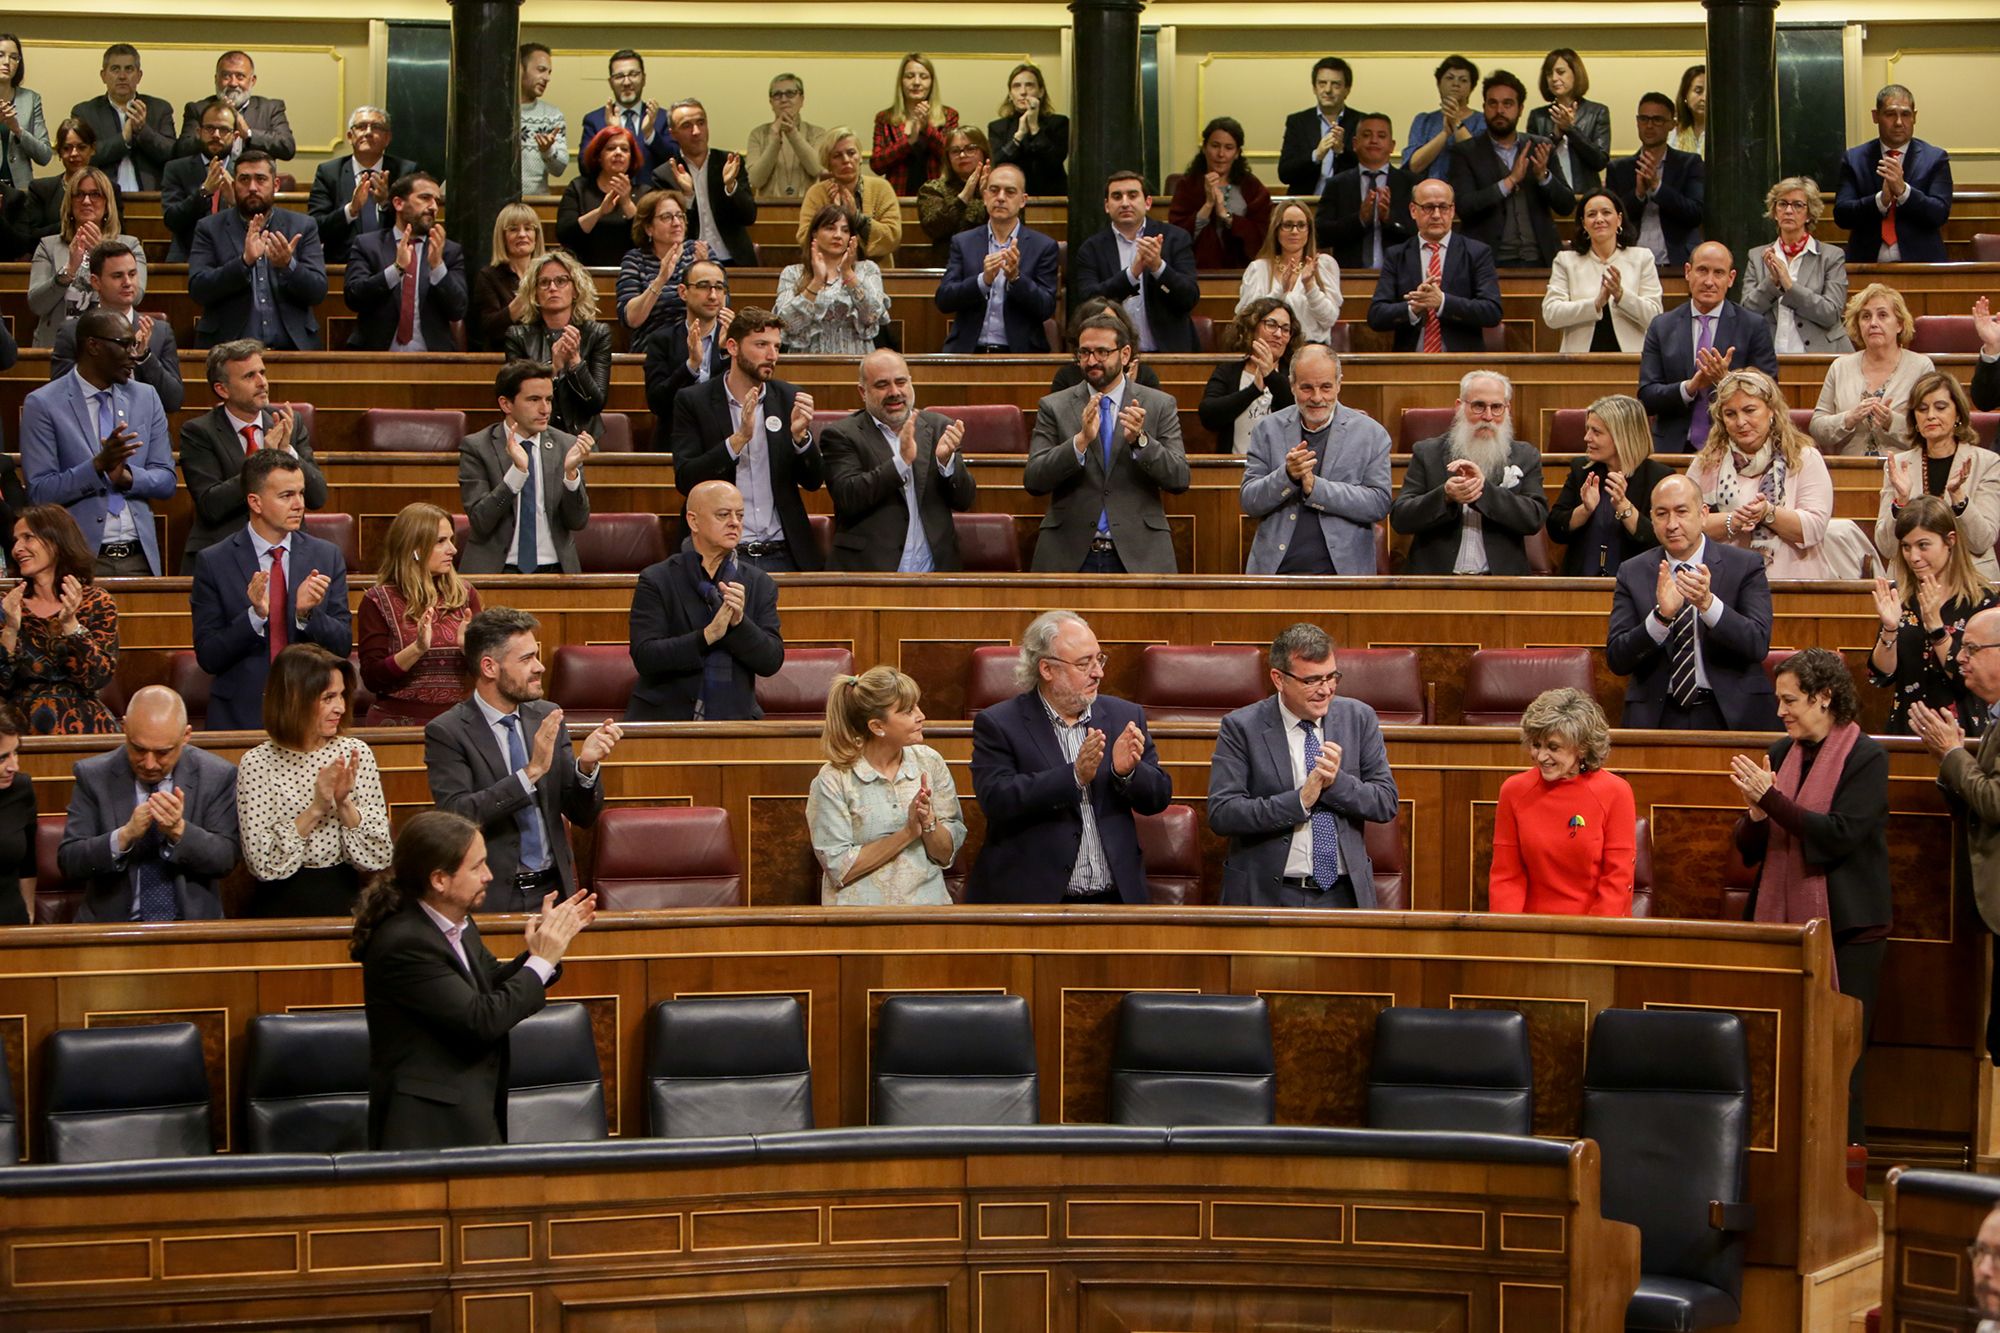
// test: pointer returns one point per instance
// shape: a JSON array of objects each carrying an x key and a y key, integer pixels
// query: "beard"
[
  {"x": 236, "y": 97},
  {"x": 631, "y": 103},
  {"x": 1486, "y": 447},
  {"x": 894, "y": 417}
]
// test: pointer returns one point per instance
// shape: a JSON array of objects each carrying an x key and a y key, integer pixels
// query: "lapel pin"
[{"x": 773, "y": 425}]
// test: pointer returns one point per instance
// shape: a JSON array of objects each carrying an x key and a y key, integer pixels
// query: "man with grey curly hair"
[{"x": 1059, "y": 771}]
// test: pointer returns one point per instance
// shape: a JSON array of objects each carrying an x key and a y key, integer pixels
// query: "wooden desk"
[{"x": 1928, "y": 1220}]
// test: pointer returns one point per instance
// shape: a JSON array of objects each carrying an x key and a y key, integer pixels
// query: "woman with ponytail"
[{"x": 883, "y": 811}]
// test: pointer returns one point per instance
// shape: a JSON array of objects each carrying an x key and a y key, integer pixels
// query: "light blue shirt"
[
  {"x": 119, "y": 525},
  {"x": 916, "y": 557},
  {"x": 753, "y": 471},
  {"x": 994, "y": 331},
  {"x": 1135, "y": 305},
  {"x": 1427, "y": 126},
  {"x": 1091, "y": 874},
  {"x": 140, "y": 792},
  {"x": 1658, "y": 632}
]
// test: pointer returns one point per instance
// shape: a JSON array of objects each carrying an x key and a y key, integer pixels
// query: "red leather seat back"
[
  {"x": 1421, "y": 423},
  {"x": 620, "y": 543},
  {"x": 1566, "y": 430},
  {"x": 1944, "y": 333},
  {"x": 401, "y": 430},
  {"x": 592, "y": 682},
  {"x": 1170, "y": 842},
  {"x": 990, "y": 428},
  {"x": 986, "y": 543},
  {"x": 989, "y": 676},
  {"x": 1391, "y": 864},
  {"x": 1986, "y": 247},
  {"x": 1388, "y": 680},
  {"x": 1775, "y": 659},
  {"x": 1204, "y": 333},
  {"x": 1642, "y": 868},
  {"x": 1801, "y": 419},
  {"x": 614, "y": 433},
  {"x": 1536, "y": 547},
  {"x": 649, "y": 857},
  {"x": 1986, "y": 426},
  {"x": 364, "y": 698},
  {"x": 341, "y": 530},
  {"x": 822, "y": 531},
  {"x": 186, "y": 678},
  {"x": 56, "y": 899},
  {"x": 1500, "y": 683},
  {"x": 1199, "y": 682},
  {"x": 798, "y": 692}
]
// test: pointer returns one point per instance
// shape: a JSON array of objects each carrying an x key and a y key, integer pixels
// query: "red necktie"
[
  {"x": 1433, "y": 330},
  {"x": 249, "y": 440},
  {"x": 1889, "y": 218},
  {"x": 278, "y": 628},
  {"x": 215, "y": 202},
  {"x": 406, "y": 322}
]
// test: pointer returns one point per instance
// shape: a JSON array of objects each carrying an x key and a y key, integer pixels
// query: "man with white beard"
[{"x": 1473, "y": 495}]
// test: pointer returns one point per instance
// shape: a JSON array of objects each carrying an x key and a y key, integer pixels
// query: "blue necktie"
[
  {"x": 114, "y": 503},
  {"x": 1107, "y": 423},
  {"x": 534, "y": 848},
  {"x": 1325, "y": 828},
  {"x": 525, "y": 560},
  {"x": 156, "y": 890}
]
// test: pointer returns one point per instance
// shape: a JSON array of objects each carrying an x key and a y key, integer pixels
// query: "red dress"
[
  {"x": 907, "y": 163},
  {"x": 1563, "y": 848},
  {"x": 437, "y": 681}
]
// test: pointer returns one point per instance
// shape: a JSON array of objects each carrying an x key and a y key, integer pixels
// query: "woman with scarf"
[
  {"x": 1817, "y": 811},
  {"x": 1767, "y": 489}
]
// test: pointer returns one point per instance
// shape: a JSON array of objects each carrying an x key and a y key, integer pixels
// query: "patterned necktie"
[
  {"x": 1698, "y": 420},
  {"x": 534, "y": 848},
  {"x": 1325, "y": 828},
  {"x": 1681, "y": 652},
  {"x": 278, "y": 626},
  {"x": 530, "y": 500},
  {"x": 114, "y": 502},
  {"x": 1889, "y": 216},
  {"x": 156, "y": 888},
  {"x": 1434, "y": 272},
  {"x": 249, "y": 441}
]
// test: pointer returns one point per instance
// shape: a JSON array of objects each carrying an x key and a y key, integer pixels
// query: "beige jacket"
[{"x": 1978, "y": 526}]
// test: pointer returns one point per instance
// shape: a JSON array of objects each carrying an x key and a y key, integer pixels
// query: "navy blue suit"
[
  {"x": 377, "y": 306},
  {"x": 229, "y": 649},
  {"x": 669, "y": 652},
  {"x": 652, "y": 151},
  {"x": 1920, "y": 219},
  {"x": 1668, "y": 359},
  {"x": 1732, "y": 650},
  {"x": 1026, "y": 301},
  {"x": 1034, "y": 820},
  {"x": 1171, "y": 294},
  {"x": 220, "y": 282},
  {"x": 1680, "y": 196},
  {"x": 1471, "y": 295}
]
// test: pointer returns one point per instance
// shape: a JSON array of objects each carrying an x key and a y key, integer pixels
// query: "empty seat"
[
  {"x": 400, "y": 430},
  {"x": 1193, "y": 1060},
  {"x": 1388, "y": 680},
  {"x": 1566, "y": 430},
  {"x": 1170, "y": 842},
  {"x": 798, "y": 692},
  {"x": 1944, "y": 333},
  {"x": 619, "y": 543},
  {"x": 989, "y": 676},
  {"x": 305, "y": 1088},
  {"x": 555, "y": 1086},
  {"x": 1200, "y": 682},
  {"x": 1421, "y": 423},
  {"x": 1204, "y": 332},
  {"x": 1986, "y": 247},
  {"x": 1463, "y": 1070},
  {"x": 1986, "y": 427},
  {"x": 1666, "y": 1094},
  {"x": 10, "y": 1120},
  {"x": 614, "y": 431},
  {"x": 121, "y": 1093},
  {"x": 648, "y": 857},
  {"x": 338, "y": 529},
  {"x": 56, "y": 898},
  {"x": 955, "y": 1060},
  {"x": 1642, "y": 867},
  {"x": 727, "y": 1066},
  {"x": 186, "y": 678},
  {"x": 822, "y": 535},
  {"x": 1388, "y": 854},
  {"x": 990, "y": 428},
  {"x": 1500, "y": 683},
  {"x": 592, "y": 682},
  {"x": 986, "y": 543}
]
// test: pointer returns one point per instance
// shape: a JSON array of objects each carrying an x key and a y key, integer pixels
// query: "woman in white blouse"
[
  {"x": 309, "y": 800},
  {"x": 833, "y": 303},
  {"x": 1604, "y": 290},
  {"x": 883, "y": 812},
  {"x": 1864, "y": 405},
  {"x": 1292, "y": 268},
  {"x": 1948, "y": 462},
  {"x": 1798, "y": 285}
]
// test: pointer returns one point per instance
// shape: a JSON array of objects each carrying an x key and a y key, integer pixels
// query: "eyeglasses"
[
  {"x": 128, "y": 343},
  {"x": 1086, "y": 663},
  {"x": 1967, "y": 647},
  {"x": 1656, "y": 120},
  {"x": 1294, "y": 224},
  {"x": 964, "y": 148},
  {"x": 786, "y": 94},
  {"x": 1325, "y": 682},
  {"x": 709, "y": 287},
  {"x": 88, "y": 194},
  {"x": 369, "y": 127},
  {"x": 1097, "y": 353},
  {"x": 1433, "y": 208},
  {"x": 1976, "y": 1252},
  {"x": 554, "y": 280},
  {"x": 677, "y": 218},
  {"x": 1274, "y": 324},
  {"x": 1790, "y": 205},
  {"x": 1476, "y": 408}
]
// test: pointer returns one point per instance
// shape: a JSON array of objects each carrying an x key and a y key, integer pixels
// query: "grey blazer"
[
  {"x": 1817, "y": 298},
  {"x": 489, "y": 501},
  {"x": 1971, "y": 777},
  {"x": 103, "y": 799},
  {"x": 1130, "y": 493},
  {"x": 1254, "y": 801},
  {"x": 1350, "y": 492},
  {"x": 30, "y": 148}
]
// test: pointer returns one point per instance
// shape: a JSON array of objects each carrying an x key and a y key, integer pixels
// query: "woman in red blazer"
[
  {"x": 1219, "y": 202},
  {"x": 1564, "y": 837}
]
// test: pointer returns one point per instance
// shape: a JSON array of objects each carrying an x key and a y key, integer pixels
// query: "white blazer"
[
  {"x": 1978, "y": 526},
  {"x": 1570, "y": 304}
]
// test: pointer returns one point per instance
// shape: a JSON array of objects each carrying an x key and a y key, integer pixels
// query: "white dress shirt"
[
  {"x": 753, "y": 468},
  {"x": 712, "y": 233},
  {"x": 454, "y": 932},
  {"x": 1299, "y": 856},
  {"x": 1658, "y": 631},
  {"x": 515, "y": 478}
]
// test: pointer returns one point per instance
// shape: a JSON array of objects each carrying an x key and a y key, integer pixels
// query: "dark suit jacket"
[
  {"x": 668, "y": 616},
  {"x": 1253, "y": 801},
  {"x": 1475, "y": 174},
  {"x": 333, "y": 186},
  {"x": 1471, "y": 295},
  {"x": 1732, "y": 651},
  {"x": 469, "y": 776},
  {"x": 1041, "y": 156},
  {"x": 226, "y": 645},
  {"x": 667, "y": 373},
  {"x": 870, "y": 516},
  {"x": 212, "y": 461},
  {"x": 701, "y": 453},
  {"x": 1340, "y": 227},
  {"x": 1667, "y": 360},
  {"x": 1025, "y": 301},
  {"x": 652, "y": 152},
  {"x": 1303, "y": 131},
  {"x": 377, "y": 306},
  {"x": 437, "y": 1036},
  {"x": 1170, "y": 295},
  {"x": 1681, "y": 196},
  {"x": 1509, "y": 515},
  {"x": 219, "y": 281},
  {"x": 1986, "y": 385},
  {"x": 161, "y": 367},
  {"x": 1847, "y": 842},
  {"x": 490, "y": 504},
  {"x": 1920, "y": 219},
  {"x": 152, "y": 144},
  {"x": 1567, "y": 526},
  {"x": 183, "y": 202},
  {"x": 583, "y": 389},
  {"x": 100, "y": 803},
  {"x": 1589, "y": 141},
  {"x": 270, "y": 129},
  {"x": 1034, "y": 813},
  {"x": 735, "y": 212}
]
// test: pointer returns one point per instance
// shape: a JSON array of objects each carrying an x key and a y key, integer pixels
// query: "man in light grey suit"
[
  {"x": 1322, "y": 463},
  {"x": 1293, "y": 779},
  {"x": 152, "y": 824},
  {"x": 1103, "y": 451},
  {"x": 521, "y": 482}
]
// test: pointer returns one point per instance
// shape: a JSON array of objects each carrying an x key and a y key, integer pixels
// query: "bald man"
[
  {"x": 704, "y": 624},
  {"x": 152, "y": 824},
  {"x": 1691, "y": 347},
  {"x": 1316, "y": 478},
  {"x": 895, "y": 476}
]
